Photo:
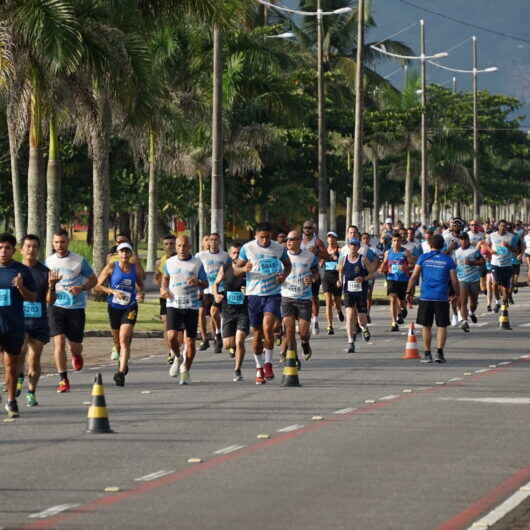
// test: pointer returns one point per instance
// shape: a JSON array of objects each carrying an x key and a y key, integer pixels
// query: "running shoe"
[
  {"x": 366, "y": 334},
  {"x": 119, "y": 378},
  {"x": 497, "y": 308},
  {"x": 20, "y": 386},
  {"x": 204, "y": 345},
  {"x": 218, "y": 348},
  {"x": 488, "y": 308},
  {"x": 315, "y": 329},
  {"x": 237, "y": 376},
  {"x": 185, "y": 378},
  {"x": 440, "y": 359},
  {"x": 515, "y": 290},
  {"x": 454, "y": 320},
  {"x": 114, "y": 356},
  {"x": 331, "y": 331},
  {"x": 267, "y": 371},
  {"x": 427, "y": 358},
  {"x": 170, "y": 357},
  {"x": 12, "y": 409},
  {"x": 341, "y": 316},
  {"x": 77, "y": 362},
  {"x": 63, "y": 386},
  {"x": 260, "y": 378},
  {"x": 350, "y": 348},
  {"x": 473, "y": 318},
  {"x": 465, "y": 326},
  {"x": 306, "y": 347},
  {"x": 175, "y": 366},
  {"x": 31, "y": 400},
  {"x": 231, "y": 352},
  {"x": 394, "y": 327},
  {"x": 400, "y": 319}
]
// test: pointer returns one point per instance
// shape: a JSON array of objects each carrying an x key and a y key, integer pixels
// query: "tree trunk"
[
  {"x": 408, "y": 191},
  {"x": 348, "y": 215},
  {"x": 332, "y": 211},
  {"x": 201, "y": 209},
  {"x": 152, "y": 223},
  {"x": 53, "y": 181},
  {"x": 14, "y": 146},
  {"x": 436, "y": 203},
  {"x": 90, "y": 227},
  {"x": 375, "y": 215},
  {"x": 36, "y": 185}
]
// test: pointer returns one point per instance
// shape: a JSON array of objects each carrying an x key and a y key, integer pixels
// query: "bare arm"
[{"x": 102, "y": 279}]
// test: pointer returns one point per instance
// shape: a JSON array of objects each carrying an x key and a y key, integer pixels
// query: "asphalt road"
[{"x": 400, "y": 445}]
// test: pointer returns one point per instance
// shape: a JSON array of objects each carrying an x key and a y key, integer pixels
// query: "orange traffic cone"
[{"x": 411, "y": 348}]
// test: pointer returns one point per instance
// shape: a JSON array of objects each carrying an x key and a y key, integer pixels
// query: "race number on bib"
[
  {"x": 64, "y": 298},
  {"x": 124, "y": 298},
  {"x": 396, "y": 268},
  {"x": 354, "y": 286},
  {"x": 211, "y": 277},
  {"x": 183, "y": 302},
  {"x": 331, "y": 266},
  {"x": 32, "y": 310},
  {"x": 5, "y": 297},
  {"x": 269, "y": 266},
  {"x": 235, "y": 297},
  {"x": 502, "y": 251}
]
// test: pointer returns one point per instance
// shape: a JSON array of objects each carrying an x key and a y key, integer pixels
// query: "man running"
[
  {"x": 412, "y": 245},
  {"x": 35, "y": 316},
  {"x": 311, "y": 242},
  {"x": 182, "y": 279},
  {"x": 168, "y": 244},
  {"x": 332, "y": 291},
  {"x": 212, "y": 260},
  {"x": 67, "y": 314},
  {"x": 468, "y": 265},
  {"x": 124, "y": 290},
  {"x": 353, "y": 274},
  {"x": 228, "y": 290},
  {"x": 436, "y": 270},
  {"x": 266, "y": 265},
  {"x": 16, "y": 286},
  {"x": 296, "y": 294}
]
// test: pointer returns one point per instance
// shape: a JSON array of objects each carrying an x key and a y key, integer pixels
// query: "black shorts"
[
  {"x": 293, "y": 307},
  {"x": 357, "y": 302},
  {"x": 429, "y": 309},
  {"x": 329, "y": 284},
  {"x": 483, "y": 271},
  {"x": 516, "y": 269},
  {"x": 183, "y": 319},
  {"x": 502, "y": 275},
  {"x": 233, "y": 321},
  {"x": 208, "y": 301},
  {"x": 163, "y": 307},
  {"x": 38, "y": 329},
  {"x": 68, "y": 322},
  {"x": 399, "y": 288},
  {"x": 315, "y": 288},
  {"x": 11, "y": 343},
  {"x": 120, "y": 316}
]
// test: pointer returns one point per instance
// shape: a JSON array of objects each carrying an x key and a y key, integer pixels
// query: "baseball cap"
[
  {"x": 334, "y": 234},
  {"x": 123, "y": 246},
  {"x": 354, "y": 241},
  {"x": 388, "y": 220}
]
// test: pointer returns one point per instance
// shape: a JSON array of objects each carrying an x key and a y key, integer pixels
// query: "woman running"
[
  {"x": 123, "y": 282},
  {"x": 332, "y": 292}
]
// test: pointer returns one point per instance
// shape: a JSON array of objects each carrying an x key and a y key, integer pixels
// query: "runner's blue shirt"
[{"x": 435, "y": 268}]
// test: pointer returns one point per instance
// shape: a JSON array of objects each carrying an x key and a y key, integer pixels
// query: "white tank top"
[{"x": 309, "y": 244}]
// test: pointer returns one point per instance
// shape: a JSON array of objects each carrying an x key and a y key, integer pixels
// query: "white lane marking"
[
  {"x": 153, "y": 476},
  {"x": 228, "y": 450},
  {"x": 496, "y": 400},
  {"x": 507, "y": 506},
  {"x": 527, "y": 325},
  {"x": 505, "y": 363},
  {"x": 290, "y": 428},
  {"x": 369, "y": 401},
  {"x": 493, "y": 366},
  {"x": 389, "y": 398},
  {"x": 479, "y": 325},
  {"x": 452, "y": 380},
  {"x": 482, "y": 370},
  {"x": 524, "y": 357},
  {"x": 344, "y": 411},
  {"x": 54, "y": 510}
]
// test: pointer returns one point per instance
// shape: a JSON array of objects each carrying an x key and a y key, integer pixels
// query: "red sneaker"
[
  {"x": 267, "y": 370},
  {"x": 260, "y": 379},
  {"x": 77, "y": 362},
  {"x": 63, "y": 386}
]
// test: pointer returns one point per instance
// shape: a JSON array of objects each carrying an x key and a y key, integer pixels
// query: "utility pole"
[
  {"x": 476, "y": 193},
  {"x": 423, "y": 178}
]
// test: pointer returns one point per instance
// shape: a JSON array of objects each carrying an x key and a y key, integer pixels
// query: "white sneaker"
[
  {"x": 454, "y": 320},
  {"x": 175, "y": 367},
  {"x": 114, "y": 356},
  {"x": 185, "y": 378}
]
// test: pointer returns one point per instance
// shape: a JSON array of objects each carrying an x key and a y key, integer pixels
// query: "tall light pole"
[
  {"x": 323, "y": 183},
  {"x": 423, "y": 60},
  {"x": 474, "y": 73}
]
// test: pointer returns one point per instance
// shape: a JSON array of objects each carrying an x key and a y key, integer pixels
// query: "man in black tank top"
[{"x": 229, "y": 291}]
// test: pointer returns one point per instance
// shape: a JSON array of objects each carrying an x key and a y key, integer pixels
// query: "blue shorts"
[{"x": 259, "y": 305}]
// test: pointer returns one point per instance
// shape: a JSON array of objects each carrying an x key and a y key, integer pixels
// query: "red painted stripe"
[
  {"x": 217, "y": 461},
  {"x": 493, "y": 498}
]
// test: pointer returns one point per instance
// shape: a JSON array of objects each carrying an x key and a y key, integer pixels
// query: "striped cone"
[
  {"x": 504, "y": 319},
  {"x": 411, "y": 348},
  {"x": 98, "y": 420},
  {"x": 290, "y": 370}
]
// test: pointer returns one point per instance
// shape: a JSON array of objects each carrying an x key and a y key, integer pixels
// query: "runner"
[
  {"x": 297, "y": 292},
  {"x": 311, "y": 242},
  {"x": 212, "y": 260},
  {"x": 332, "y": 291},
  {"x": 281, "y": 238},
  {"x": 412, "y": 245},
  {"x": 16, "y": 286},
  {"x": 527, "y": 253},
  {"x": 426, "y": 243},
  {"x": 67, "y": 314},
  {"x": 353, "y": 274},
  {"x": 112, "y": 254},
  {"x": 484, "y": 248},
  {"x": 468, "y": 266},
  {"x": 266, "y": 265},
  {"x": 396, "y": 265},
  {"x": 372, "y": 260},
  {"x": 125, "y": 289},
  {"x": 352, "y": 232},
  {"x": 228, "y": 290},
  {"x": 516, "y": 260},
  {"x": 182, "y": 279},
  {"x": 168, "y": 244},
  {"x": 436, "y": 270},
  {"x": 36, "y": 318}
]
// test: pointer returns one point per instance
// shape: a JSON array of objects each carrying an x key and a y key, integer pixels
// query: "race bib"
[
  {"x": 269, "y": 266},
  {"x": 235, "y": 297},
  {"x": 354, "y": 286},
  {"x": 331, "y": 266},
  {"x": 460, "y": 269},
  {"x": 183, "y": 302},
  {"x": 5, "y": 297},
  {"x": 32, "y": 310},
  {"x": 124, "y": 300},
  {"x": 396, "y": 268},
  {"x": 64, "y": 298},
  {"x": 211, "y": 278},
  {"x": 502, "y": 251}
]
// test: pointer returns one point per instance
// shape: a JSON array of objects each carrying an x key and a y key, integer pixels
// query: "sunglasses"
[{"x": 292, "y": 239}]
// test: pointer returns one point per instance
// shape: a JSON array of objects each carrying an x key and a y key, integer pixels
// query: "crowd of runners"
[{"x": 269, "y": 287}]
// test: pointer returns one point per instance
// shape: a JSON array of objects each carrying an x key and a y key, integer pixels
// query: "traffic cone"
[
  {"x": 411, "y": 348},
  {"x": 98, "y": 420},
  {"x": 290, "y": 370},
  {"x": 504, "y": 319}
]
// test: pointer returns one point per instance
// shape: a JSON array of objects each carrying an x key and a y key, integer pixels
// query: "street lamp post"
[{"x": 323, "y": 184}]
